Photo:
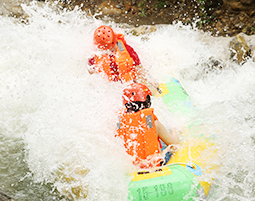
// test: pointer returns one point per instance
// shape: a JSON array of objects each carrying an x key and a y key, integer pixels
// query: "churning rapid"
[{"x": 58, "y": 121}]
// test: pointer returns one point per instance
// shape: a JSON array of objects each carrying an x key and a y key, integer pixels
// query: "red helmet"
[
  {"x": 104, "y": 37},
  {"x": 135, "y": 92}
]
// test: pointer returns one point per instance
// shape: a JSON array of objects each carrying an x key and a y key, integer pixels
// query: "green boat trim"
[{"x": 176, "y": 98}]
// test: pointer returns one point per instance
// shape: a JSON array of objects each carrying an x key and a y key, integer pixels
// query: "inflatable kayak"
[
  {"x": 181, "y": 178},
  {"x": 186, "y": 175}
]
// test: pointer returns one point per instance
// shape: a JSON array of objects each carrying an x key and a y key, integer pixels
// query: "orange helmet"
[
  {"x": 104, "y": 37},
  {"x": 135, "y": 92}
]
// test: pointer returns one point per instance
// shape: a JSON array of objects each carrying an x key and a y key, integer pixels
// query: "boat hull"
[
  {"x": 182, "y": 177},
  {"x": 175, "y": 186}
]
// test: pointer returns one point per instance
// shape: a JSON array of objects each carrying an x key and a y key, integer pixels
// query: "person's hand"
[{"x": 145, "y": 78}]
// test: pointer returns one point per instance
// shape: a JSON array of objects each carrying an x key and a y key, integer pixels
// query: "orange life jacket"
[
  {"x": 139, "y": 134},
  {"x": 126, "y": 71}
]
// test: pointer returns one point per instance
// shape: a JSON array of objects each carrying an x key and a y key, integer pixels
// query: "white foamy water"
[{"x": 57, "y": 121}]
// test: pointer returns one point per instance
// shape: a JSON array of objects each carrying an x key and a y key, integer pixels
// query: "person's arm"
[
  {"x": 145, "y": 78},
  {"x": 165, "y": 136},
  {"x": 141, "y": 75}
]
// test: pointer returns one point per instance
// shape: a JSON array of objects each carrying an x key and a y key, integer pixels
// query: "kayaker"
[
  {"x": 140, "y": 129},
  {"x": 117, "y": 61}
]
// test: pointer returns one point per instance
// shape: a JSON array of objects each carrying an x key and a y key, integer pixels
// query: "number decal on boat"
[
  {"x": 156, "y": 189},
  {"x": 163, "y": 190},
  {"x": 170, "y": 188},
  {"x": 143, "y": 193},
  {"x": 160, "y": 190}
]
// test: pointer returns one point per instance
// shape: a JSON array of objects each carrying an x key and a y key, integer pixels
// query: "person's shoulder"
[
  {"x": 130, "y": 50},
  {"x": 122, "y": 111},
  {"x": 128, "y": 47},
  {"x": 121, "y": 37}
]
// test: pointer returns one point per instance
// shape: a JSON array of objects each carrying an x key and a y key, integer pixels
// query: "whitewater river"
[{"x": 57, "y": 121}]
